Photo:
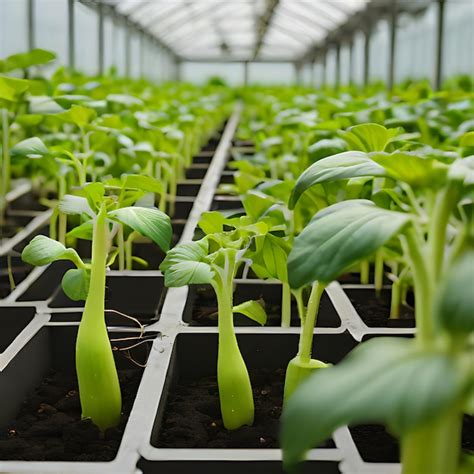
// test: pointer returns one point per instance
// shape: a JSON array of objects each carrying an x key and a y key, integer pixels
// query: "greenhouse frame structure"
[{"x": 308, "y": 35}]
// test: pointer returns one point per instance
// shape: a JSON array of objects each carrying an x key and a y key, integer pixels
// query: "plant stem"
[
  {"x": 62, "y": 224},
  {"x": 235, "y": 390},
  {"x": 5, "y": 178},
  {"x": 306, "y": 340},
  {"x": 364, "y": 272},
  {"x": 121, "y": 248},
  {"x": 285, "y": 305},
  {"x": 379, "y": 272},
  {"x": 444, "y": 204},
  {"x": 423, "y": 288},
  {"x": 434, "y": 447},
  {"x": 395, "y": 300},
  {"x": 99, "y": 387}
]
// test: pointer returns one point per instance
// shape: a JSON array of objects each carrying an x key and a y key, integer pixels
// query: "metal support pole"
[
  {"x": 297, "y": 67},
  {"x": 142, "y": 46},
  {"x": 71, "y": 35},
  {"x": 392, "y": 45},
  {"x": 323, "y": 68},
  {"x": 246, "y": 73},
  {"x": 177, "y": 76},
  {"x": 311, "y": 74},
  {"x": 101, "y": 41},
  {"x": 338, "y": 65},
  {"x": 439, "y": 45},
  {"x": 351, "y": 61},
  {"x": 367, "y": 56},
  {"x": 31, "y": 25},
  {"x": 128, "y": 40}
]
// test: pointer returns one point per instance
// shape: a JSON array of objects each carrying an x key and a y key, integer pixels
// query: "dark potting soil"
[
  {"x": 376, "y": 444},
  {"x": 375, "y": 310},
  {"x": 192, "y": 417},
  {"x": 205, "y": 311},
  {"x": 49, "y": 425}
]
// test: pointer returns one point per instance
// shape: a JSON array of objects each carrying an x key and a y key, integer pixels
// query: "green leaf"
[
  {"x": 184, "y": 265},
  {"x": 75, "y": 205},
  {"x": 123, "y": 99},
  {"x": 30, "y": 148},
  {"x": 350, "y": 164},
  {"x": 75, "y": 284},
  {"x": 43, "y": 250},
  {"x": 412, "y": 168},
  {"x": 95, "y": 193},
  {"x": 11, "y": 89},
  {"x": 467, "y": 140},
  {"x": 369, "y": 137},
  {"x": 383, "y": 380},
  {"x": 253, "y": 310},
  {"x": 35, "y": 57},
  {"x": 212, "y": 222},
  {"x": 67, "y": 101},
  {"x": 148, "y": 222},
  {"x": 326, "y": 147},
  {"x": 143, "y": 183},
  {"x": 454, "y": 302},
  {"x": 84, "y": 231},
  {"x": 275, "y": 255},
  {"x": 78, "y": 115},
  {"x": 338, "y": 237}
]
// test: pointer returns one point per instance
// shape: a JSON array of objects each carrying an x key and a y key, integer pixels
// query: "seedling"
[
  {"x": 215, "y": 260},
  {"x": 99, "y": 388}
]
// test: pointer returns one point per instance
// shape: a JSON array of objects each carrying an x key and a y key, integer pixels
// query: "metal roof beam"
[{"x": 263, "y": 25}]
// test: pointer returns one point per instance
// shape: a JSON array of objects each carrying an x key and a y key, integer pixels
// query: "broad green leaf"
[
  {"x": 412, "y": 168},
  {"x": 67, "y": 101},
  {"x": 369, "y": 137},
  {"x": 143, "y": 183},
  {"x": 95, "y": 193},
  {"x": 454, "y": 301},
  {"x": 43, "y": 250},
  {"x": 78, "y": 115},
  {"x": 30, "y": 148},
  {"x": 350, "y": 164},
  {"x": 275, "y": 255},
  {"x": 256, "y": 203},
  {"x": 338, "y": 237},
  {"x": 212, "y": 222},
  {"x": 326, "y": 147},
  {"x": 75, "y": 205},
  {"x": 35, "y": 57},
  {"x": 75, "y": 283},
  {"x": 184, "y": 264},
  {"x": 11, "y": 88},
  {"x": 467, "y": 140},
  {"x": 383, "y": 380},
  {"x": 148, "y": 222},
  {"x": 84, "y": 231},
  {"x": 123, "y": 99},
  {"x": 253, "y": 310}
]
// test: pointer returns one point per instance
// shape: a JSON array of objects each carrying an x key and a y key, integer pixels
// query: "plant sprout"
[{"x": 99, "y": 388}]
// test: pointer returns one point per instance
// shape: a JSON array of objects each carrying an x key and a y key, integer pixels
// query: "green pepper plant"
[{"x": 99, "y": 388}]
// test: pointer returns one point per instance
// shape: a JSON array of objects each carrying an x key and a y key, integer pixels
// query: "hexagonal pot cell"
[
  {"x": 12, "y": 272},
  {"x": 189, "y": 188},
  {"x": 12, "y": 225},
  {"x": 137, "y": 296},
  {"x": 196, "y": 171},
  {"x": 40, "y": 414},
  {"x": 226, "y": 203},
  {"x": 374, "y": 309},
  {"x": 12, "y": 321},
  {"x": 28, "y": 202},
  {"x": 203, "y": 158},
  {"x": 183, "y": 206},
  {"x": 189, "y": 414},
  {"x": 201, "y": 305}
]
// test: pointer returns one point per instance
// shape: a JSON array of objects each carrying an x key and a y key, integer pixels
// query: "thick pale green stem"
[
  {"x": 99, "y": 387},
  {"x": 445, "y": 202},
  {"x": 285, "y": 305},
  {"x": 302, "y": 366},
  {"x": 423, "y": 288},
  {"x": 435, "y": 447},
  {"x": 121, "y": 248},
  {"x": 62, "y": 224},
  {"x": 235, "y": 390},
  {"x": 5, "y": 178},
  {"x": 364, "y": 272},
  {"x": 395, "y": 300},
  {"x": 378, "y": 273},
  {"x": 128, "y": 251}
]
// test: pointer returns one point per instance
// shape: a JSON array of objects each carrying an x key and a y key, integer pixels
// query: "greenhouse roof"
[
  {"x": 253, "y": 30},
  {"x": 240, "y": 29}
]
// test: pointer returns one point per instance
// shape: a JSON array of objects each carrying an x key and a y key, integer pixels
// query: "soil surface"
[
  {"x": 192, "y": 417},
  {"x": 375, "y": 310},
  {"x": 15, "y": 269},
  {"x": 375, "y": 444},
  {"x": 49, "y": 425},
  {"x": 204, "y": 310}
]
